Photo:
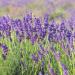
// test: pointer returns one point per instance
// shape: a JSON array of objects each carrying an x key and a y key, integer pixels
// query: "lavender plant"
[{"x": 32, "y": 47}]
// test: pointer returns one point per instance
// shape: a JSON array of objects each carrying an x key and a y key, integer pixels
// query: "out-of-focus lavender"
[
  {"x": 66, "y": 7},
  {"x": 4, "y": 51},
  {"x": 65, "y": 71},
  {"x": 51, "y": 70}
]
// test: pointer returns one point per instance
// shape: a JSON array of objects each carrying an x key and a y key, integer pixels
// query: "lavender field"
[{"x": 37, "y": 37}]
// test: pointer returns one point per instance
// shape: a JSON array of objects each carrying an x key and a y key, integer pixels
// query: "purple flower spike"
[
  {"x": 46, "y": 17},
  {"x": 33, "y": 38},
  {"x": 65, "y": 71},
  {"x": 40, "y": 73},
  {"x": 40, "y": 55},
  {"x": 68, "y": 35},
  {"x": 5, "y": 50},
  {"x": 51, "y": 70},
  {"x": 35, "y": 58},
  {"x": 43, "y": 33},
  {"x": 37, "y": 24},
  {"x": 28, "y": 17},
  {"x": 41, "y": 47},
  {"x": 8, "y": 33},
  {"x": 50, "y": 37}
]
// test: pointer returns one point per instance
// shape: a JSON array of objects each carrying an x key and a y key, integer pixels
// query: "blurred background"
[{"x": 55, "y": 8}]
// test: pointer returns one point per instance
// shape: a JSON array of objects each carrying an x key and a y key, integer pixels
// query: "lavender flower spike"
[
  {"x": 40, "y": 73},
  {"x": 5, "y": 50},
  {"x": 65, "y": 71},
  {"x": 35, "y": 58},
  {"x": 51, "y": 71}
]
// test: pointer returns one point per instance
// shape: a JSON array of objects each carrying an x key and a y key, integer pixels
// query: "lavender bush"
[{"x": 34, "y": 46}]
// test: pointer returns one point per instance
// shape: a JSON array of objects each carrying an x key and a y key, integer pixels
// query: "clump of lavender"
[{"x": 31, "y": 29}]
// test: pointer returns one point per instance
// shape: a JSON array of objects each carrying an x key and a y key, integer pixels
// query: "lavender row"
[
  {"x": 32, "y": 28},
  {"x": 38, "y": 30}
]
